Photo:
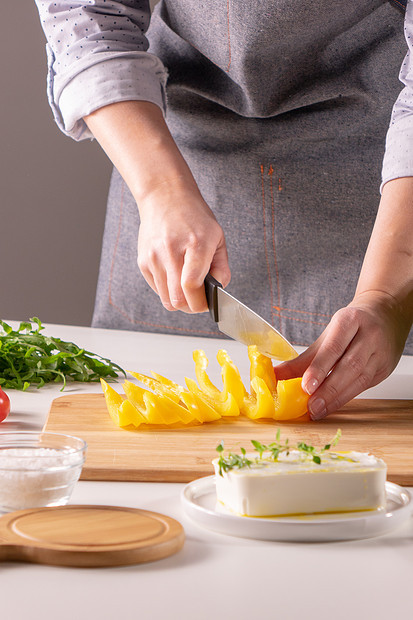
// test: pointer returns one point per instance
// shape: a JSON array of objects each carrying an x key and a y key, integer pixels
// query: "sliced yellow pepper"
[
  {"x": 226, "y": 407},
  {"x": 171, "y": 404},
  {"x": 168, "y": 391},
  {"x": 227, "y": 402},
  {"x": 158, "y": 386},
  {"x": 122, "y": 412},
  {"x": 173, "y": 387},
  {"x": 171, "y": 412},
  {"x": 174, "y": 391},
  {"x": 231, "y": 378},
  {"x": 199, "y": 408},
  {"x": 291, "y": 400},
  {"x": 261, "y": 366},
  {"x": 261, "y": 403},
  {"x": 156, "y": 409},
  {"x": 137, "y": 396},
  {"x": 205, "y": 383}
]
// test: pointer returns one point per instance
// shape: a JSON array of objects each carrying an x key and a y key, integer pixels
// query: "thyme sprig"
[
  {"x": 232, "y": 460},
  {"x": 273, "y": 450}
]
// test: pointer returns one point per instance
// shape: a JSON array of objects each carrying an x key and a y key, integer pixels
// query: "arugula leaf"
[{"x": 27, "y": 357}]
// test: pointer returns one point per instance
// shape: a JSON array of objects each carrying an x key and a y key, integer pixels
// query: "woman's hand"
[
  {"x": 179, "y": 242},
  {"x": 359, "y": 348},
  {"x": 364, "y": 341}
]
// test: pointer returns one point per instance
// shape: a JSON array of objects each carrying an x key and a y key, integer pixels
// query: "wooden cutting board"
[
  {"x": 88, "y": 536},
  {"x": 381, "y": 427}
]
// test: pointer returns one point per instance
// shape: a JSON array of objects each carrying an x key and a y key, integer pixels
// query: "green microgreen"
[
  {"x": 232, "y": 460},
  {"x": 259, "y": 447},
  {"x": 273, "y": 450},
  {"x": 28, "y": 357}
]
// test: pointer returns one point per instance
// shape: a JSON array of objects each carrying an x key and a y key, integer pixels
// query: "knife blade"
[{"x": 241, "y": 323}]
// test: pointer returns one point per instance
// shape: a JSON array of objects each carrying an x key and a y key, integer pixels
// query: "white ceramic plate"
[{"x": 200, "y": 504}]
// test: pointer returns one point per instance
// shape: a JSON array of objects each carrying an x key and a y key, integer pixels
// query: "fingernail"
[
  {"x": 318, "y": 409},
  {"x": 311, "y": 386}
]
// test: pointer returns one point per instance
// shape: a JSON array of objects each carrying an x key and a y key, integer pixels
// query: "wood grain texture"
[
  {"x": 381, "y": 427},
  {"x": 88, "y": 536}
]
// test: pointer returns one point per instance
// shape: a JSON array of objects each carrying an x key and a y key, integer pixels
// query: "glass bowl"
[{"x": 38, "y": 469}]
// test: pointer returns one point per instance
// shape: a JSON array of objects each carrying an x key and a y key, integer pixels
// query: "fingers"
[
  {"x": 353, "y": 354},
  {"x": 173, "y": 279},
  {"x": 165, "y": 278},
  {"x": 155, "y": 274},
  {"x": 195, "y": 267},
  {"x": 178, "y": 277},
  {"x": 339, "y": 365},
  {"x": 337, "y": 370},
  {"x": 354, "y": 373},
  {"x": 169, "y": 290},
  {"x": 179, "y": 242},
  {"x": 329, "y": 349}
]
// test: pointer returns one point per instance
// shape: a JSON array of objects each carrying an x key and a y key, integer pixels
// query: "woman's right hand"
[{"x": 179, "y": 242}]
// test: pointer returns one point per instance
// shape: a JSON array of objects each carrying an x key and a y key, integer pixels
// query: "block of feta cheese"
[{"x": 342, "y": 482}]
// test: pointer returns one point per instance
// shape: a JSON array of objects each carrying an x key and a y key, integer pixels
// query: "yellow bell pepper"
[
  {"x": 171, "y": 404},
  {"x": 223, "y": 408},
  {"x": 175, "y": 387},
  {"x": 261, "y": 366},
  {"x": 206, "y": 385},
  {"x": 289, "y": 399},
  {"x": 231, "y": 378},
  {"x": 156, "y": 409},
  {"x": 171, "y": 412},
  {"x": 159, "y": 386},
  {"x": 261, "y": 402},
  {"x": 199, "y": 408},
  {"x": 169, "y": 391},
  {"x": 174, "y": 391},
  {"x": 122, "y": 412},
  {"x": 227, "y": 401}
]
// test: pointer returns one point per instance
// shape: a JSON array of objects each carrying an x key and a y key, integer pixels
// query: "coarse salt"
[{"x": 32, "y": 477}]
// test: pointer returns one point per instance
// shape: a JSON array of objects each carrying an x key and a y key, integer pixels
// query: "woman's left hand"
[{"x": 359, "y": 348}]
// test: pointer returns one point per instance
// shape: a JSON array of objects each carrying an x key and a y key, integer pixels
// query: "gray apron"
[{"x": 280, "y": 108}]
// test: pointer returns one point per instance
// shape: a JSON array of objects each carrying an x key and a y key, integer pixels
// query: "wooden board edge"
[{"x": 131, "y": 475}]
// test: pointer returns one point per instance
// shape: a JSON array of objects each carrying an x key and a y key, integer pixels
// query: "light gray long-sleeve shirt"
[{"x": 98, "y": 54}]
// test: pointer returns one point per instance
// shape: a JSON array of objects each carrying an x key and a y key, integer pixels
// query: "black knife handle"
[{"x": 211, "y": 292}]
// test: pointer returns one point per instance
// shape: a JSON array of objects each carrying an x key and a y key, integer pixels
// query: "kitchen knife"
[{"x": 240, "y": 323}]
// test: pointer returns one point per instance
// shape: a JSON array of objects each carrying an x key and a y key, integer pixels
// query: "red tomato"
[{"x": 4, "y": 405}]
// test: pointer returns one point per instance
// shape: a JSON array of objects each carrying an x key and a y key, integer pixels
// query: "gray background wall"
[{"x": 52, "y": 190}]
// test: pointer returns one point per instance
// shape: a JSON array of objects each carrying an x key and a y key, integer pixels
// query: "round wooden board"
[{"x": 90, "y": 536}]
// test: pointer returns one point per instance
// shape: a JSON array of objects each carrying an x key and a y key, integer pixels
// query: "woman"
[{"x": 270, "y": 153}]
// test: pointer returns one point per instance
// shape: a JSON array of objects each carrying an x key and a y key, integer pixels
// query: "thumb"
[{"x": 295, "y": 367}]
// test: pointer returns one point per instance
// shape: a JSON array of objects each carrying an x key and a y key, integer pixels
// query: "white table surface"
[{"x": 213, "y": 576}]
